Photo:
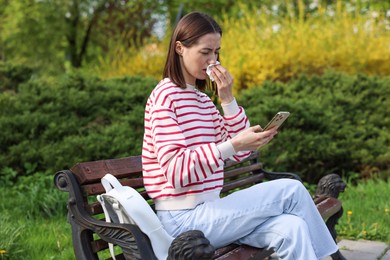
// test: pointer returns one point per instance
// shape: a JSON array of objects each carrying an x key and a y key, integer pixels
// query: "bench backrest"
[{"x": 128, "y": 171}]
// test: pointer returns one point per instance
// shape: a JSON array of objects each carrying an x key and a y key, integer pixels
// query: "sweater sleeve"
[{"x": 234, "y": 121}]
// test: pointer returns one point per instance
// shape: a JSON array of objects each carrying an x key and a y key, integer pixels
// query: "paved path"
[
  {"x": 364, "y": 250},
  {"x": 361, "y": 250}
]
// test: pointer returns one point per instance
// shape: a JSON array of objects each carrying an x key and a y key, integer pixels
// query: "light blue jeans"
[{"x": 277, "y": 214}]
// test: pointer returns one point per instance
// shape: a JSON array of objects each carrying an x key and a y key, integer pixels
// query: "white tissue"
[{"x": 208, "y": 70}]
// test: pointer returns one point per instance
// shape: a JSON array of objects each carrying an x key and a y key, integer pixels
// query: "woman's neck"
[{"x": 190, "y": 86}]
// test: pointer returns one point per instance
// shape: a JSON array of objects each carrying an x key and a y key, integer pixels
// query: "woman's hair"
[{"x": 188, "y": 31}]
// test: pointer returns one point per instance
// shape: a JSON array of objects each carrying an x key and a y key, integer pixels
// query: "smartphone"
[{"x": 277, "y": 121}]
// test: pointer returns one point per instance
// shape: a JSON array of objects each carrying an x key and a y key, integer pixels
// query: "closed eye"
[{"x": 208, "y": 51}]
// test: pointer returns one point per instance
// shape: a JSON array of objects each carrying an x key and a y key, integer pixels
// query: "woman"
[{"x": 186, "y": 142}]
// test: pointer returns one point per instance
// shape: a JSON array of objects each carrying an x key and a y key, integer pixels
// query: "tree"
[
  {"x": 123, "y": 22},
  {"x": 48, "y": 34}
]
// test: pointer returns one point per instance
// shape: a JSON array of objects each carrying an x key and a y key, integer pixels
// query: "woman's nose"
[{"x": 213, "y": 59}]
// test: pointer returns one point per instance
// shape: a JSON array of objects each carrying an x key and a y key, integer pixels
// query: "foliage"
[
  {"x": 337, "y": 124},
  {"x": 282, "y": 47},
  {"x": 53, "y": 36},
  {"x": 177, "y": 9},
  {"x": 12, "y": 75},
  {"x": 49, "y": 125},
  {"x": 277, "y": 43},
  {"x": 146, "y": 61},
  {"x": 10, "y": 238},
  {"x": 59, "y": 34},
  {"x": 47, "y": 201},
  {"x": 31, "y": 33}
]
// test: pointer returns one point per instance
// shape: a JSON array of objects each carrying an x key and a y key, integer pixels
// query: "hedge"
[
  {"x": 51, "y": 126},
  {"x": 338, "y": 123}
]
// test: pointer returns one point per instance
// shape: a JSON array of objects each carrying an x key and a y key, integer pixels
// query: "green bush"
[
  {"x": 12, "y": 75},
  {"x": 338, "y": 123},
  {"x": 51, "y": 125}
]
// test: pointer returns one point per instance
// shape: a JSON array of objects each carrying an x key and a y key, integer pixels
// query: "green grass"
[
  {"x": 33, "y": 220},
  {"x": 366, "y": 211},
  {"x": 49, "y": 239},
  {"x": 34, "y": 238}
]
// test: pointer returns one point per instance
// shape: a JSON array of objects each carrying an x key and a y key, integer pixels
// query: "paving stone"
[{"x": 362, "y": 249}]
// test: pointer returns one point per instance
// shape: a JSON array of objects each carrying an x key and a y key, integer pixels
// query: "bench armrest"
[{"x": 134, "y": 243}]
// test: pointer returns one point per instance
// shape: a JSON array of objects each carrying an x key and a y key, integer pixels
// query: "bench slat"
[
  {"x": 250, "y": 180},
  {"x": 97, "y": 188},
  {"x": 253, "y": 156},
  {"x": 99, "y": 245},
  {"x": 244, "y": 252},
  {"x": 223, "y": 250},
  {"x": 92, "y": 172},
  {"x": 244, "y": 169}
]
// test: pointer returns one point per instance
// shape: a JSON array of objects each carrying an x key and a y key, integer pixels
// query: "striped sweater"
[{"x": 186, "y": 141}]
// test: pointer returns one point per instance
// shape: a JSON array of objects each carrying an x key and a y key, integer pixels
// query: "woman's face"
[{"x": 195, "y": 59}]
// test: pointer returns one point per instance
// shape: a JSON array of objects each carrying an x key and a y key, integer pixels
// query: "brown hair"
[{"x": 188, "y": 30}]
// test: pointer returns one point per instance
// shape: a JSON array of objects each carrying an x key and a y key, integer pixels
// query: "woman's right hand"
[{"x": 252, "y": 138}]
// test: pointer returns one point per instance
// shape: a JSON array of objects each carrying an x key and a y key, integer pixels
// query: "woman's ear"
[{"x": 179, "y": 48}]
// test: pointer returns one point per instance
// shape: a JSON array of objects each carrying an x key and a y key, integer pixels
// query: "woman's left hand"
[{"x": 224, "y": 82}]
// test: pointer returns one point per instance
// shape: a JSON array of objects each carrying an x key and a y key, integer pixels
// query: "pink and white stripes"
[{"x": 182, "y": 165}]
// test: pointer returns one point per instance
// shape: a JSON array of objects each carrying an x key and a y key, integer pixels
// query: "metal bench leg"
[{"x": 81, "y": 238}]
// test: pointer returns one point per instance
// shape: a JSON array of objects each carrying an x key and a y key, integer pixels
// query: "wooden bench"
[{"x": 91, "y": 234}]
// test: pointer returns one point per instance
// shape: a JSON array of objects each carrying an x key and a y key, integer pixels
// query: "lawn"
[{"x": 33, "y": 225}]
